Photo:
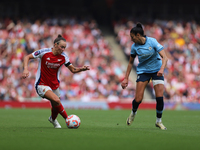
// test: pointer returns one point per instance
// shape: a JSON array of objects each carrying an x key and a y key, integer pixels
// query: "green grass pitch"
[{"x": 29, "y": 129}]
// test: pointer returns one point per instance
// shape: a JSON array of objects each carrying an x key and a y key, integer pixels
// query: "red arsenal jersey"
[{"x": 49, "y": 67}]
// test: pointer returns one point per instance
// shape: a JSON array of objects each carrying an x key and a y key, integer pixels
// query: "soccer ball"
[{"x": 73, "y": 121}]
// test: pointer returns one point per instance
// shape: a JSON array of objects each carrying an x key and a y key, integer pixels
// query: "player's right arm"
[
  {"x": 124, "y": 83},
  {"x": 25, "y": 73}
]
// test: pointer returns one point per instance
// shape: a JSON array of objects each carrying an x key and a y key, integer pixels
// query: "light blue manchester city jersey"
[{"x": 148, "y": 56}]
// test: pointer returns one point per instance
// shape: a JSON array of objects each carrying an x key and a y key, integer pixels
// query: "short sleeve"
[
  {"x": 133, "y": 50},
  {"x": 37, "y": 54},
  {"x": 67, "y": 62},
  {"x": 157, "y": 46},
  {"x": 40, "y": 53}
]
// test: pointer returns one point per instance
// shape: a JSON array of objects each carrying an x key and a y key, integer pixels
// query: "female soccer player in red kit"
[{"x": 47, "y": 78}]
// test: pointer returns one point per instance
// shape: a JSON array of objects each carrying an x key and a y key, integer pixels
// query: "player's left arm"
[
  {"x": 164, "y": 62},
  {"x": 77, "y": 69}
]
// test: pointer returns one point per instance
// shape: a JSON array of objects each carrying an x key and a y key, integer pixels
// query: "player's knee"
[
  {"x": 138, "y": 98},
  {"x": 56, "y": 101}
]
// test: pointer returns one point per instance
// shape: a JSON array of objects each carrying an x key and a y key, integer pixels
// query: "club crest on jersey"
[
  {"x": 150, "y": 48},
  {"x": 37, "y": 53}
]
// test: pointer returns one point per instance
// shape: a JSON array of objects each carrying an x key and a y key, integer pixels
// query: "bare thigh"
[
  {"x": 140, "y": 87},
  {"x": 159, "y": 90},
  {"x": 52, "y": 97}
]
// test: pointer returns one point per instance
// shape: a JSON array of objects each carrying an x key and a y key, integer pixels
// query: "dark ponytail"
[
  {"x": 137, "y": 29},
  {"x": 58, "y": 39},
  {"x": 139, "y": 25}
]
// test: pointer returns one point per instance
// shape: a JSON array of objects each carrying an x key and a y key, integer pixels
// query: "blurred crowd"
[
  {"x": 86, "y": 46},
  {"x": 181, "y": 41}
]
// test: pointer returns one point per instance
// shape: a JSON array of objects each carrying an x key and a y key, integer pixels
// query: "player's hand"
[
  {"x": 160, "y": 73},
  {"x": 124, "y": 83},
  {"x": 84, "y": 68},
  {"x": 25, "y": 74}
]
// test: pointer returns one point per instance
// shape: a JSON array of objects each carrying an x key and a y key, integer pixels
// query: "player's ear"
[{"x": 55, "y": 44}]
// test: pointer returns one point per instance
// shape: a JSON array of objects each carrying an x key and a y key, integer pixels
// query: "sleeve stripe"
[
  {"x": 160, "y": 49},
  {"x": 67, "y": 64}
]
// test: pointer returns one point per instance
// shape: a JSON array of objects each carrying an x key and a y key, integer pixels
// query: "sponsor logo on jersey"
[
  {"x": 52, "y": 65},
  {"x": 48, "y": 58},
  {"x": 37, "y": 53}
]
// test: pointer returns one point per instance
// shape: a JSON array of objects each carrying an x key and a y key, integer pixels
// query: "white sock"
[
  {"x": 158, "y": 120},
  {"x": 133, "y": 113}
]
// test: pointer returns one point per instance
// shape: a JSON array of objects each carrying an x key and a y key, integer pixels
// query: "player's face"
[
  {"x": 135, "y": 38},
  {"x": 60, "y": 47}
]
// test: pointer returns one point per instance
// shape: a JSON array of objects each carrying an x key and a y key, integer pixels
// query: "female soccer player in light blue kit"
[{"x": 150, "y": 66}]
